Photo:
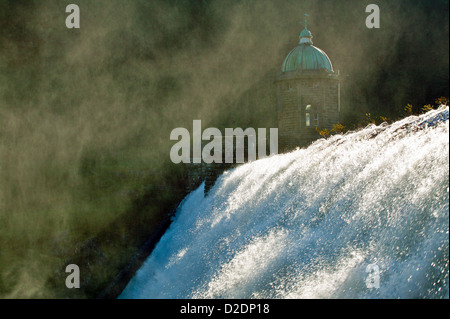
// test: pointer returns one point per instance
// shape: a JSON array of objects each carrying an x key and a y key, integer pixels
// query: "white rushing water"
[{"x": 360, "y": 215}]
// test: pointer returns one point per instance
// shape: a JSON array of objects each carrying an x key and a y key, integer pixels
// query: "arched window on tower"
[{"x": 311, "y": 116}]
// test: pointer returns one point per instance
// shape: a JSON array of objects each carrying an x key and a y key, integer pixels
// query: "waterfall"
[{"x": 359, "y": 215}]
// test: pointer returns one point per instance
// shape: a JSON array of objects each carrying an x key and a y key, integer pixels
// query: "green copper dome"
[{"x": 306, "y": 56}]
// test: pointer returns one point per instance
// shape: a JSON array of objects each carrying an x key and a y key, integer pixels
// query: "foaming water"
[{"x": 307, "y": 224}]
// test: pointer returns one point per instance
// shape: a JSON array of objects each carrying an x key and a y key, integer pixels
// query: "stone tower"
[{"x": 308, "y": 94}]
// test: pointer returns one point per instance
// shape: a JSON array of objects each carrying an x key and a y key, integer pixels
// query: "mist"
[{"x": 86, "y": 114}]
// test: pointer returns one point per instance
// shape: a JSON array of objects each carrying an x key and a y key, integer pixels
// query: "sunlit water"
[{"x": 317, "y": 223}]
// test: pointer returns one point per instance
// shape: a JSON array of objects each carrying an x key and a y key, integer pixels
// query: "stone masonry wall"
[{"x": 293, "y": 96}]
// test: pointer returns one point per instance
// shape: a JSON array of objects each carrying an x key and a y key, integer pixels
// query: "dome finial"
[{"x": 305, "y": 35}]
